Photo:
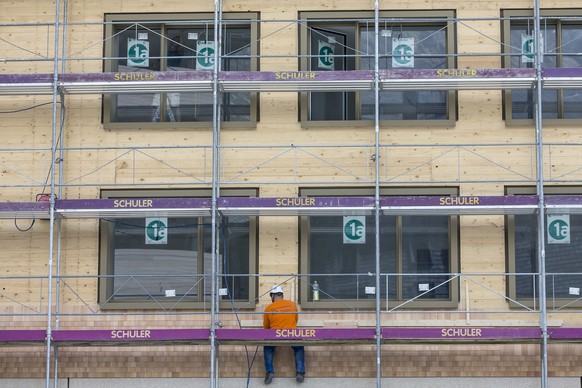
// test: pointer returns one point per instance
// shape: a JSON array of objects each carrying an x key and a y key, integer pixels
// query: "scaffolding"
[{"x": 55, "y": 207}]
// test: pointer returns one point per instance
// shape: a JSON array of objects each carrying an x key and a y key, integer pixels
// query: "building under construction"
[{"x": 407, "y": 171}]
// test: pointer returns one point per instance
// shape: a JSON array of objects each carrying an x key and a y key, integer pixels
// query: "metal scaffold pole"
[
  {"x": 540, "y": 192},
  {"x": 377, "y": 191},
  {"x": 214, "y": 322},
  {"x": 54, "y": 140}
]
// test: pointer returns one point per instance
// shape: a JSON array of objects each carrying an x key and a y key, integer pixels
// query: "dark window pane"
[
  {"x": 180, "y": 55},
  {"x": 234, "y": 255},
  {"x": 561, "y": 259},
  {"x": 328, "y": 254},
  {"x": 525, "y": 255},
  {"x": 143, "y": 271},
  {"x": 523, "y": 101},
  {"x": 332, "y": 105},
  {"x": 425, "y": 250},
  {"x": 430, "y": 53}
]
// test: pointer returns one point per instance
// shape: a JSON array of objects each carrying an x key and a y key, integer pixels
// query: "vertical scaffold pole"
[
  {"x": 215, "y": 193},
  {"x": 377, "y": 189},
  {"x": 54, "y": 138},
  {"x": 540, "y": 192},
  {"x": 60, "y": 195}
]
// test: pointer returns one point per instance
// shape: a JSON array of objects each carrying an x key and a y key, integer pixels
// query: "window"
[
  {"x": 562, "y": 259},
  {"x": 417, "y": 253},
  {"x": 561, "y": 45},
  {"x": 159, "y": 262},
  {"x": 178, "y": 43},
  {"x": 336, "y": 41}
]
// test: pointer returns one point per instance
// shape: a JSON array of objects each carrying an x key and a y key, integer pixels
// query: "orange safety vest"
[{"x": 280, "y": 321}]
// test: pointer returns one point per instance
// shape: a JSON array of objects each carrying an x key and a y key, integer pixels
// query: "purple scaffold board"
[
  {"x": 295, "y": 202},
  {"x": 129, "y": 336},
  {"x": 430, "y": 74},
  {"x": 26, "y": 78},
  {"x": 565, "y": 333},
  {"x": 291, "y": 336},
  {"x": 286, "y": 75},
  {"x": 563, "y": 200},
  {"x": 132, "y": 203},
  {"x": 317, "y": 335},
  {"x": 294, "y": 76},
  {"x": 141, "y": 76},
  {"x": 562, "y": 72},
  {"x": 460, "y": 334},
  {"x": 42, "y": 206},
  {"x": 18, "y": 337},
  {"x": 466, "y": 201}
]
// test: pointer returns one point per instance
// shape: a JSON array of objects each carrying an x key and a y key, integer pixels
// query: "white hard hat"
[{"x": 276, "y": 290}]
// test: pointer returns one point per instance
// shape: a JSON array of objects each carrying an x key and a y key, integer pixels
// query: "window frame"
[
  {"x": 106, "y": 256},
  {"x": 318, "y": 18},
  {"x": 514, "y": 301},
  {"x": 454, "y": 250},
  {"x": 166, "y": 21},
  {"x": 506, "y": 24}
]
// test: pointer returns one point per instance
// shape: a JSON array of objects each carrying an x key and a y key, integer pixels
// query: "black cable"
[
  {"x": 24, "y": 230},
  {"x": 62, "y": 123},
  {"x": 25, "y": 109},
  {"x": 223, "y": 231}
]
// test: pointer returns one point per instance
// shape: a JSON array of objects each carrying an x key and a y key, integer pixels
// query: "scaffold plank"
[
  {"x": 303, "y": 336},
  {"x": 296, "y": 336},
  {"x": 288, "y": 81},
  {"x": 24, "y": 209},
  {"x": 131, "y": 336},
  {"x": 292, "y": 206},
  {"x": 22, "y": 337},
  {"x": 461, "y": 334}
]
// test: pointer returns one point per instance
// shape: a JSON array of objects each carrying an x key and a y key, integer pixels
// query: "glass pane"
[
  {"x": 565, "y": 258},
  {"x": 192, "y": 106},
  {"x": 234, "y": 257},
  {"x": 525, "y": 255},
  {"x": 138, "y": 51},
  {"x": 522, "y": 101},
  {"x": 571, "y": 47},
  {"x": 331, "y": 50},
  {"x": 329, "y": 255},
  {"x": 523, "y": 104},
  {"x": 181, "y": 49},
  {"x": 430, "y": 53},
  {"x": 144, "y": 270},
  {"x": 425, "y": 251},
  {"x": 237, "y": 54},
  {"x": 561, "y": 259}
]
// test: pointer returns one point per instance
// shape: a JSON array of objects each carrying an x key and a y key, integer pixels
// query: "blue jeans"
[{"x": 298, "y": 352}]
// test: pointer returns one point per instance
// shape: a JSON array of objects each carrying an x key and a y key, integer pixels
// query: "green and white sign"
[
  {"x": 528, "y": 48},
  {"x": 558, "y": 229},
  {"x": 204, "y": 55},
  {"x": 156, "y": 231},
  {"x": 354, "y": 229},
  {"x": 325, "y": 56},
  {"x": 138, "y": 52},
  {"x": 402, "y": 52}
]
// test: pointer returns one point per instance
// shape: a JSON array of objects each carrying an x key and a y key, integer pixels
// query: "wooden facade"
[{"x": 55, "y": 140}]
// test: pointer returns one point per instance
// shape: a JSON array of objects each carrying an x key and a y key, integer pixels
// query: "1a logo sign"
[
  {"x": 354, "y": 229},
  {"x": 403, "y": 52},
  {"x": 528, "y": 48},
  {"x": 325, "y": 56},
  {"x": 156, "y": 231},
  {"x": 138, "y": 52},
  {"x": 205, "y": 56},
  {"x": 527, "y": 45},
  {"x": 558, "y": 229}
]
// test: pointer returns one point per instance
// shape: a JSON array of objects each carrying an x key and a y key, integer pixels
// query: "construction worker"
[{"x": 282, "y": 314}]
